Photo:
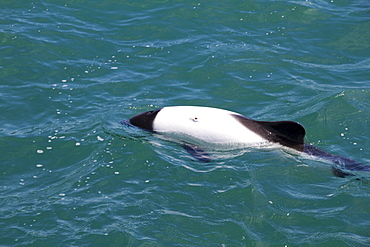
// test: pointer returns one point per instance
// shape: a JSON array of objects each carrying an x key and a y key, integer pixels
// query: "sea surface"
[{"x": 72, "y": 175}]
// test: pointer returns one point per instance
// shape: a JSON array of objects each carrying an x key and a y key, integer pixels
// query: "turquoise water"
[{"x": 72, "y": 175}]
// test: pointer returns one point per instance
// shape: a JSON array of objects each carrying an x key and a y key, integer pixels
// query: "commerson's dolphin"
[{"x": 198, "y": 127}]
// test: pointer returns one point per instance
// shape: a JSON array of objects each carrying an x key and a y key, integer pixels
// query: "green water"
[{"x": 72, "y": 175}]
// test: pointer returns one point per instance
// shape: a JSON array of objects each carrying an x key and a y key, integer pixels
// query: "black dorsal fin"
[{"x": 287, "y": 133}]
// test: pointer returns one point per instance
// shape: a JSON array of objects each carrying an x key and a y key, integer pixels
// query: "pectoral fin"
[{"x": 197, "y": 152}]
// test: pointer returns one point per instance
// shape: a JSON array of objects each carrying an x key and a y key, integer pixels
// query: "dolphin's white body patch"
[{"x": 204, "y": 125}]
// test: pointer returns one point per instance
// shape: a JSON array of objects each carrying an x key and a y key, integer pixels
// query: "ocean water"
[{"x": 72, "y": 175}]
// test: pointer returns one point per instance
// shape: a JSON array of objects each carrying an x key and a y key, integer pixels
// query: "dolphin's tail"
[{"x": 345, "y": 165}]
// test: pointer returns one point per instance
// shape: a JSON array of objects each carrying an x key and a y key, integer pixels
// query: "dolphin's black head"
[{"x": 144, "y": 120}]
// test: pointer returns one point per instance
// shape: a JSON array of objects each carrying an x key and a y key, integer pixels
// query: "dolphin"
[{"x": 198, "y": 126}]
